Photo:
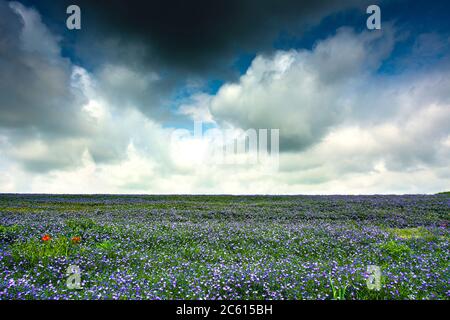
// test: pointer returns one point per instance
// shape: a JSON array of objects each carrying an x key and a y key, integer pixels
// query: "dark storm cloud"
[
  {"x": 41, "y": 117},
  {"x": 35, "y": 91},
  {"x": 192, "y": 37},
  {"x": 183, "y": 42}
]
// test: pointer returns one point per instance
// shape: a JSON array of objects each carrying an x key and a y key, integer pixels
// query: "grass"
[
  {"x": 338, "y": 293},
  {"x": 412, "y": 233},
  {"x": 35, "y": 251},
  {"x": 395, "y": 249}
]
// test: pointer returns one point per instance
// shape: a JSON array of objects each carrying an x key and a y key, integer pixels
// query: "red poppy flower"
[
  {"x": 46, "y": 238},
  {"x": 76, "y": 239}
]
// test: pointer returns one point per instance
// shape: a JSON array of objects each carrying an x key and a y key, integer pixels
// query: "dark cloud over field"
[
  {"x": 192, "y": 37},
  {"x": 35, "y": 89}
]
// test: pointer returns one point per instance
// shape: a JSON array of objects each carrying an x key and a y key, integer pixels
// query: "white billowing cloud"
[
  {"x": 93, "y": 178},
  {"x": 303, "y": 93},
  {"x": 385, "y": 149},
  {"x": 198, "y": 109},
  {"x": 344, "y": 128},
  {"x": 35, "y": 37}
]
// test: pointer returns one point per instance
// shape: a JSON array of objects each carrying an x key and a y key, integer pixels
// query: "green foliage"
[
  {"x": 338, "y": 292},
  {"x": 7, "y": 233},
  {"x": 108, "y": 247},
  {"x": 395, "y": 249},
  {"x": 80, "y": 225},
  {"x": 105, "y": 245},
  {"x": 413, "y": 233},
  {"x": 8, "y": 229},
  {"x": 35, "y": 250}
]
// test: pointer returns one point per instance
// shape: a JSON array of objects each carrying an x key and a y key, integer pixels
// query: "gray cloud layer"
[
  {"x": 35, "y": 90},
  {"x": 194, "y": 36}
]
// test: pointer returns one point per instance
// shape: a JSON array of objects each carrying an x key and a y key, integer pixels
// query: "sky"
[{"x": 115, "y": 106}]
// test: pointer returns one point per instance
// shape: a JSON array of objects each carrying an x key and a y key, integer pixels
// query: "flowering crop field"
[{"x": 224, "y": 247}]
